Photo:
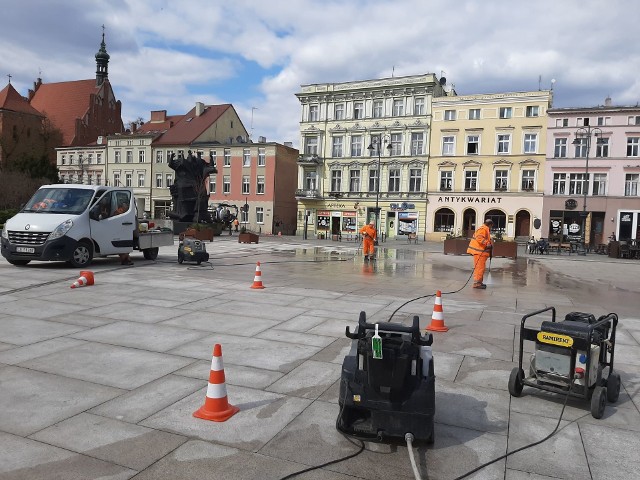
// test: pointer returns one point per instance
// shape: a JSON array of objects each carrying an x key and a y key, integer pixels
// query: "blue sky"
[{"x": 255, "y": 54}]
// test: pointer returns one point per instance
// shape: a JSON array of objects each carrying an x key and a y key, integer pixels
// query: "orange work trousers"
[
  {"x": 479, "y": 262},
  {"x": 367, "y": 246}
]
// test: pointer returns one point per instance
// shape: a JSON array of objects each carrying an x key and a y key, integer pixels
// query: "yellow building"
[{"x": 487, "y": 160}]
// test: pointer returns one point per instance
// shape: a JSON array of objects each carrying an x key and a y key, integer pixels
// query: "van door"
[{"x": 113, "y": 220}]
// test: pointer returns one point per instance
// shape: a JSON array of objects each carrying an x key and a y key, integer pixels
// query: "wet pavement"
[{"x": 101, "y": 382}]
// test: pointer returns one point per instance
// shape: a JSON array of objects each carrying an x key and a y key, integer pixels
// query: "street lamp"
[
  {"x": 375, "y": 146},
  {"x": 583, "y": 137}
]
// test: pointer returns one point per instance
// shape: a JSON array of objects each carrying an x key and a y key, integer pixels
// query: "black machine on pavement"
[
  {"x": 387, "y": 388},
  {"x": 571, "y": 357},
  {"x": 192, "y": 250}
]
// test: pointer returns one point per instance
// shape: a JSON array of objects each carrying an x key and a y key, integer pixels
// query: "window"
[
  {"x": 260, "y": 215},
  {"x": 169, "y": 179},
  {"x": 470, "y": 180},
  {"x": 314, "y": 113},
  {"x": 128, "y": 179},
  {"x": 502, "y": 178},
  {"x": 354, "y": 180},
  {"x": 129, "y": 156},
  {"x": 396, "y": 144},
  {"x": 444, "y": 220},
  {"x": 562, "y": 122},
  {"x": 358, "y": 110},
  {"x": 474, "y": 114},
  {"x": 473, "y": 144},
  {"x": 602, "y": 147},
  {"x": 90, "y": 158},
  {"x": 245, "y": 185},
  {"x": 246, "y": 157},
  {"x": 398, "y": 107},
  {"x": 560, "y": 148},
  {"x": 530, "y": 143},
  {"x": 226, "y": 184},
  {"x": 377, "y": 109},
  {"x": 158, "y": 156},
  {"x": 227, "y": 157},
  {"x": 213, "y": 180},
  {"x": 418, "y": 106},
  {"x": 582, "y": 122},
  {"x": 417, "y": 143},
  {"x": 158, "y": 180},
  {"x": 415, "y": 179},
  {"x": 213, "y": 158},
  {"x": 373, "y": 180},
  {"x": 116, "y": 179},
  {"x": 504, "y": 143},
  {"x": 98, "y": 179},
  {"x": 528, "y": 180},
  {"x": 601, "y": 121},
  {"x": 339, "y": 111},
  {"x": 632, "y": 146},
  {"x": 98, "y": 159},
  {"x": 89, "y": 179},
  {"x": 336, "y": 180},
  {"x": 578, "y": 183},
  {"x": 634, "y": 120},
  {"x": 394, "y": 180},
  {"x": 446, "y": 180},
  {"x": 631, "y": 184},
  {"x": 63, "y": 159},
  {"x": 599, "y": 184},
  {"x": 559, "y": 183},
  {"x": 356, "y": 146},
  {"x": 140, "y": 156},
  {"x": 170, "y": 153},
  {"x": 505, "y": 112},
  {"x": 140, "y": 179},
  {"x": 262, "y": 157},
  {"x": 448, "y": 145},
  {"x": 337, "y": 147},
  {"x": 449, "y": 115},
  {"x": 116, "y": 157},
  {"x": 260, "y": 185},
  {"x": 310, "y": 180},
  {"x": 532, "y": 111},
  {"x": 581, "y": 147},
  {"x": 311, "y": 145}
]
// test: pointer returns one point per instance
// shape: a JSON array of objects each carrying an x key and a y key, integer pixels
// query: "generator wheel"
[
  {"x": 516, "y": 382},
  {"x": 180, "y": 257},
  {"x": 613, "y": 387},
  {"x": 598, "y": 401}
]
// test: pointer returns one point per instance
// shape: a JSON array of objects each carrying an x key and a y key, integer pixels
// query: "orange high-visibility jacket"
[
  {"x": 369, "y": 230},
  {"x": 481, "y": 242}
]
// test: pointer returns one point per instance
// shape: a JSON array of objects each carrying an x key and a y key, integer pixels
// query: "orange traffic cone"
[
  {"x": 86, "y": 278},
  {"x": 257, "y": 280},
  {"x": 437, "y": 319},
  {"x": 216, "y": 405}
]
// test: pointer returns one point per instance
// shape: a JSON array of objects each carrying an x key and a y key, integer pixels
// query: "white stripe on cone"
[
  {"x": 216, "y": 364},
  {"x": 217, "y": 390}
]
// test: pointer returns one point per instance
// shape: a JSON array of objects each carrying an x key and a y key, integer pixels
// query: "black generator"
[
  {"x": 192, "y": 250},
  {"x": 387, "y": 388},
  {"x": 571, "y": 357}
]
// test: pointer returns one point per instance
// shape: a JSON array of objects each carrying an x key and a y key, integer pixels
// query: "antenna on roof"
[
  {"x": 539, "y": 82},
  {"x": 393, "y": 71}
]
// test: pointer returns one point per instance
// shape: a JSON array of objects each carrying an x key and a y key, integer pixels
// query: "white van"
[{"x": 75, "y": 223}]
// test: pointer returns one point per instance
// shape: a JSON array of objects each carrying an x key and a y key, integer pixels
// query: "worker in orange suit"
[
  {"x": 369, "y": 235},
  {"x": 481, "y": 247}
]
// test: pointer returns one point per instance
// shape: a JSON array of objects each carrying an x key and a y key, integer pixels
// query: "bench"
[{"x": 412, "y": 237}]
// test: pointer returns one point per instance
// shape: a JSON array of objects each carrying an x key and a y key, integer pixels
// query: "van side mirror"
[{"x": 94, "y": 213}]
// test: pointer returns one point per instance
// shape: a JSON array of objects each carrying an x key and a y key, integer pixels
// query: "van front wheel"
[{"x": 82, "y": 255}]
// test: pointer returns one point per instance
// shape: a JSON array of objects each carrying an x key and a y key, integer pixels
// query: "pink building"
[{"x": 592, "y": 174}]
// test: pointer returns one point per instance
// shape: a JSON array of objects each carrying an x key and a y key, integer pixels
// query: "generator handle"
[{"x": 414, "y": 329}]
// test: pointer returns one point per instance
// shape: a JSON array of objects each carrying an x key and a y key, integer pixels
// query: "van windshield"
[{"x": 73, "y": 201}]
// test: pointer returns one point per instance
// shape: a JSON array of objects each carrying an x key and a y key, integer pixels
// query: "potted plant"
[
  {"x": 200, "y": 231},
  {"x": 246, "y": 236},
  {"x": 504, "y": 248},
  {"x": 455, "y": 244}
]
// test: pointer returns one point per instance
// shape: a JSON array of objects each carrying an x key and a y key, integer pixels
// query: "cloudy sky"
[{"x": 255, "y": 54}]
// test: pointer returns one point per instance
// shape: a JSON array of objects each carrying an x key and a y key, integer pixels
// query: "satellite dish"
[
  {"x": 443, "y": 80},
  {"x": 537, "y": 223}
]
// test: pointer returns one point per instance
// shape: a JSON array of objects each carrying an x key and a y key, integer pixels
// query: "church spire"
[{"x": 102, "y": 62}]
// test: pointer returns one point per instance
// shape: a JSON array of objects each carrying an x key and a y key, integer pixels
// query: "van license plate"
[{"x": 25, "y": 250}]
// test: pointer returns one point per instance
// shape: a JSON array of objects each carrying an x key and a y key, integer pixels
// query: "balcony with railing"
[
  {"x": 310, "y": 159},
  {"x": 308, "y": 193}
]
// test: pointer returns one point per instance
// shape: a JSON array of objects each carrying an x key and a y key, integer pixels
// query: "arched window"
[
  {"x": 444, "y": 220},
  {"x": 499, "y": 220}
]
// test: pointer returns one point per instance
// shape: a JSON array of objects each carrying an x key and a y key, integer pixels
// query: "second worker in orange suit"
[
  {"x": 369, "y": 235},
  {"x": 481, "y": 247}
]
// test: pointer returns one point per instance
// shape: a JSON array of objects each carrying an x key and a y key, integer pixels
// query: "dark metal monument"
[{"x": 189, "y": 190}]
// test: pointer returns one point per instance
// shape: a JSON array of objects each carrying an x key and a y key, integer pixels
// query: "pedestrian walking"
[
  {"x": 236, "y": 223},
  {"x": 481, "y": 247},
  {"x": 369, "y": 236}
]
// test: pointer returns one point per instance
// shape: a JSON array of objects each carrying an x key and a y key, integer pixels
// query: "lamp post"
[
  {"x": 375, "y": 147},
  {"x": 583, "y": 137}
]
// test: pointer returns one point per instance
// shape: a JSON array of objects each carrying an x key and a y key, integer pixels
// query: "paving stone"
[
  {"x": 234, "y": 374},
  {"x": 309, "y": 380},
  {"x": 24, "y": 331},
  {"x": 612, "y": 453}
]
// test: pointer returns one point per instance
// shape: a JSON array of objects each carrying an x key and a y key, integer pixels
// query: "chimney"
[
  {"x": 262, "y": 139},
  {"x": 199, "y": 108},
  {"x": 288, "y": 144},
  {"x": 158, "y": 115},
  {"x": 99, "y": 140},
  {"x": 607, "y": 101}
]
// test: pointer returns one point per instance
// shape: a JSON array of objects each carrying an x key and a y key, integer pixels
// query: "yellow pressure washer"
[{"x": 571, "y": 357}]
